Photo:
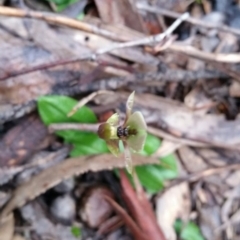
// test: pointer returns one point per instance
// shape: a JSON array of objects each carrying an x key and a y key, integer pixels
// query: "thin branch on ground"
[
  {"x": 162, "y": 134},
  {"x": 58, "y": 20},
  {"x": 72, "y": 23},
  {"x": 39, "y": 67},
  {"x": 206, "y": 173},
  {"x": 87, "y": 99},
  {"x": 207, "y": 56},
  {"x": 52, "y": 18},
  {"x": 73, "y": 126},
  {"x": 187, "y": 141},
  {"x": 191, "y": 20},
  {"x": 148, "y": 40},
  {"x": 155, "y": 131}
]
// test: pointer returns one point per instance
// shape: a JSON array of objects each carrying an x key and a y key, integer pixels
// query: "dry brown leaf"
[
  {"x": 4, "y": 197},
  {"x": 7, "y": 227},
  {"x": 74, "y": 166},
  {"x": 167, "y": 147},
  {"x": 208, "y": 210},
  {"x": 17, "y": 54},
  {"x": 96, "y": 42},
  {"x": 177, "y": 119},
  {"x": 109, "y": 12},
  {"x": 172, "y": 204},
  {"x": 17, "y": 92},
  {"x": 192, "y": 161},
  {"x": 195, "y": 64},
  {"x": 233, "y": 180},
  {"x": 209, "y": 217},
  {"x": 198, "y": 100},
  {"x": 218, "y": 157},
  {"x": 120, "y": 13},
  {"x": 234, "y": 89},
  {"x": 22, "y": 141},
  {"x": 234, "y": 219},
  {"x": 213, "y": 165},
  {"x": 227, "y": 206},
  {"x": 18, "y": 237},
  {"x": 229, "y": 214},
  {"x": 94, "y": 209},
  {"x": 36, "y": 163},
  {"x": 228, "y": 44}
]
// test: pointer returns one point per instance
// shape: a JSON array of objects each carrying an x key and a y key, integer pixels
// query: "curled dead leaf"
[
  {"x": 94, "y": 208},
  {"x": 7, "y": 227},
  {"x": 18, "y": 237},
  {"x": 174, "y": 203},
  {"x": 74, "y": 166}
]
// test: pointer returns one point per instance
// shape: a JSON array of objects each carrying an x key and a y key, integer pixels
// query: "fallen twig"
[
  {"x": 53, "y": 18},
  {"x": 45, "y": 180},
  {"x": 191, "y": 20},
  {"x": 57, "y": 19},
  {"x": 73, "y": 126},
  {"x": 87, "y": 99},
  {"x": 148, "y": 40},
  {"x": 194, "y": 177},
  {"x": 194, "y": 52}
]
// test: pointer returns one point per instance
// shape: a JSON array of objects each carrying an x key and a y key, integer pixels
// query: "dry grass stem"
[{"x": 73, "y": 126}]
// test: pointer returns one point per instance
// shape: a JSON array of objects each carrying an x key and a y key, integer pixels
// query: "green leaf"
[
  {"x": 152, "y": 177},
  {"x": 76, "y": 231},
  {"x": 178, "y": 226},
  {"x": 190, "y": 231},
  {"x": 167, "y": 167},
  {"x": 54, "y": 109},
  {"x": 94, "y": 146},
  {"x": 151, "y": 145},
  {"x": 63, "y": 4}
]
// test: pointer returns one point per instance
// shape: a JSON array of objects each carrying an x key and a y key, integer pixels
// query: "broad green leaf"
[
  {"x": 54, "y": 109},
  {"x": 76, "y": 231},
  {"x": 152, "y": 177},
  {"x": 167, "y": 167},
  {"x": 178, "y": 226},
  {"x": 190, "y": 231},
  {"x": 95, "y": 146},
  {"x": 151, "y": 145}
]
